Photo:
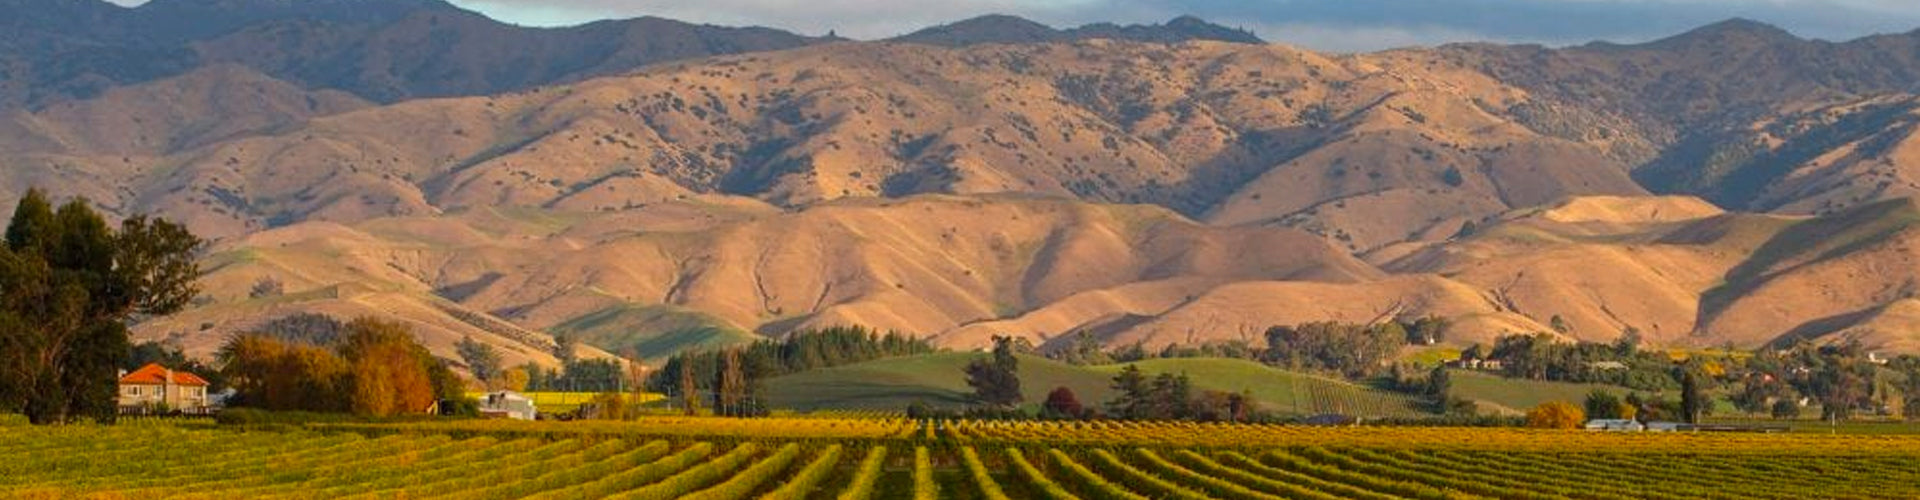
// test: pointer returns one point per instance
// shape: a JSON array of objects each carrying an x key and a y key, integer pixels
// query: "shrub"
[{"x": 1556, "y": 415}]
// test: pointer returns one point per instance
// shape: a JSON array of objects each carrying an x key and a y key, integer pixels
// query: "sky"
[
  {"x": 1329, "y": 25},
  {"x": 1333, "y": 25}
]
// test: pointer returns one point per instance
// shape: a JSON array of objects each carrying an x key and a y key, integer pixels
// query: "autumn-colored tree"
[
  {"x": 389, "y": 368},
  {"x": 1556, "y": 415},
  {"x": 514, "y": 379},
  {"x": 375, "y": 369},
  {"x": 273, "y": 374},
  {"x": 1062, "y": 403}
]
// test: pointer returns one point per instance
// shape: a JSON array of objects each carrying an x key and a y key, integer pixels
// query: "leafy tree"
[
  {"x": 1428, "y": 330},
  {"x": 1439, "y": 383},
  {"x": 996, "y": 380},
  {"x": 1084, "y": 349},
  {"x": 1453, "y": 177},
  {"x": 270, "y": 373},
  {"x": 565, "y": 348},
  {"x": 1758, "y": 392},
  {"x": 1559, "y": 324},
  {"x": 1170, "y": 397},
  {"x": 309, "y": 328},
  {"x": 1062, "y": 404},
  {"x": 481, "y": 358},
  {"x": 514, "y": 379},
  {"x": 69, "y": 285},
  {"x": 1556, "y": 415},
  {"x": 1603, "y": 404},
  {"x": 590, "y": 375},
  {"x": 389, "y": 369},
  {"x": 1132, "y": 352},
  {"x": 796, "y": 352},
  {"x": 375, "y": 368},
  {"x": 150, "y": 352},
  {"x": 1786, "y": 409},
  {"x": 1349, "y": 349},
  {"x": 1628, "y": 344},
  {"x": 1839, "y": 376}
]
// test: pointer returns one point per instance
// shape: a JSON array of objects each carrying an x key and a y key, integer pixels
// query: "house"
[
  {"x": 1606, "y": 365},
  {"x": 509, "y": 405},
  {"x": 1615, "y": 424},
  {"x": 154, "y": 387},
  {"x": 1473, "y": 364}
]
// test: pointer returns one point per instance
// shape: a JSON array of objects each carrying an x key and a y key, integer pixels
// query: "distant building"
[
  {"x": 1615, "y": 424},
  {"x": 1476, "y": 364},
  {"x": 509, "y": 405},
  {"x": 1607, "y": 365},
  {"x": 154, "y": 387}
]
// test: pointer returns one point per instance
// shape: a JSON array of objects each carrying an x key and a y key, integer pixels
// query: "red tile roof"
[{"x": 154, "y": 374}]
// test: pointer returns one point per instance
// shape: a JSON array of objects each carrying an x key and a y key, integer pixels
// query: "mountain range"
[{"x": 650, "y": 185}]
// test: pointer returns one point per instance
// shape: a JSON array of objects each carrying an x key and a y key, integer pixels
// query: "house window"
[{"x": 133, "y": 390}]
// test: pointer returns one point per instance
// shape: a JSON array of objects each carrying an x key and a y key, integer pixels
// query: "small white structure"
[
  {"x": 508, "y": 404},
  {"x": 1607, "y": 365},
  {"x": 1615, "y": 424}
]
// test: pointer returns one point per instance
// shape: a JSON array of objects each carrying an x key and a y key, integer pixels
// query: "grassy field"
[
  {"x": 716, "y": 458},
  {"x": 1501, "y": 395},
  {"x": 618, "y": 329},
  {"x": 892, "y": 384}
]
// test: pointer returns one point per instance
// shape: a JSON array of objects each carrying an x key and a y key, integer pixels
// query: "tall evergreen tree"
[
  {"x": 996, "y": 380},
  {"x": 1692, "y": 398},
  {"x": 1130, "y": 394},
  {"x": 688, "y": 393},
  {"x": 68, "y": 285},
  {"x": 730, "y": 388}
]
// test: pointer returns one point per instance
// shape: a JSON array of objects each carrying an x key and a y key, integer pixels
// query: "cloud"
[{"x": 1343, "y": 25}]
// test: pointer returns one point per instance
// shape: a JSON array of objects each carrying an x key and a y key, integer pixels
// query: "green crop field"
[
  {"x": 1498, "y": 394},
  {"x": 823, "y": 458},
  {"x": 894, "y": 383}
]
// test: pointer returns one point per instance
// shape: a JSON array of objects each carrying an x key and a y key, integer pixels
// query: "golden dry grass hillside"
[
  {"x": 1146, "y": 192},
  {"x": 723, "y": 266}
]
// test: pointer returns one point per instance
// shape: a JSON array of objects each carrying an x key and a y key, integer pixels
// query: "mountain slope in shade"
[
  {"x": 387, "y": 51},
  {"x": 999, "y": 28},
  {"x": 1741, "y": 113}
]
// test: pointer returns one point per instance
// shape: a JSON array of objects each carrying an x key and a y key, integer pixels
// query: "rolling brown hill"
[
  {"x": 726, "y": 266},
  {"x": 972, "y": 183},
  {"x": 1232, "y": 133}
]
